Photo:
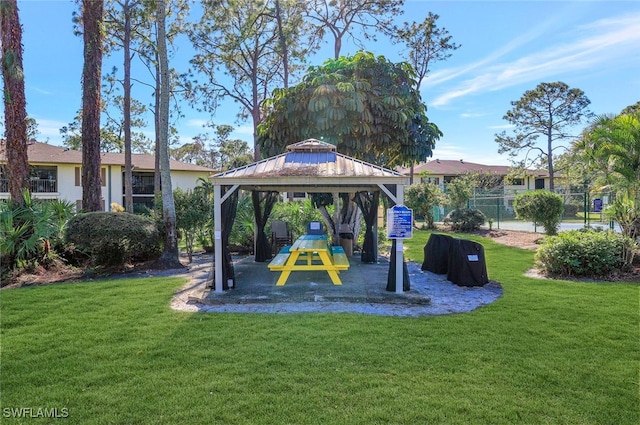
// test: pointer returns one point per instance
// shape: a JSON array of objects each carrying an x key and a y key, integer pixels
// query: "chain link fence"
[{"x": 581, "y": 209}]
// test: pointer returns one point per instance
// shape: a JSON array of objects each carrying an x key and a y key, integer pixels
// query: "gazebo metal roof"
[{"x": 310, "y": 166}]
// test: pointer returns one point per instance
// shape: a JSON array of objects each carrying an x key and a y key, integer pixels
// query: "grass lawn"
[{"x": 113, "y": 352}]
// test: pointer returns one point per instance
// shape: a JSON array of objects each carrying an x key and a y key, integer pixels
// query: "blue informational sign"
[
  {"x": 399, "y": 222},
  {"x": 597, "y": 205}
]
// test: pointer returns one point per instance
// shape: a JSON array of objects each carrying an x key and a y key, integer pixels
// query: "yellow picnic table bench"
[{"x": 310, "y": 253}]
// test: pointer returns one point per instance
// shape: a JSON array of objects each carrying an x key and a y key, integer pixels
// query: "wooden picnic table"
[{"x": 310, "y": 253}]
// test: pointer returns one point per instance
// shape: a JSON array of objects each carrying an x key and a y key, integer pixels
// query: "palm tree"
[
  {"x": 612, "y": 144},
  {"x": 15, "y": 114}
]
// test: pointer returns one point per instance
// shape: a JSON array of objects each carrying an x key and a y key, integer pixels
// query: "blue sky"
[{"x": 508, "y": 47}]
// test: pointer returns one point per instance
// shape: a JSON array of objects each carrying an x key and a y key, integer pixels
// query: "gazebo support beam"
[
  {"x": 399, "y": 246},
  {"x": 218, "y": 200},
  {"x": 217, "y": 232}
]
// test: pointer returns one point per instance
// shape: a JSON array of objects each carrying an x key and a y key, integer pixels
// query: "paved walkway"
[
  {"x": 363, "y": 291},
  {"x": 526, "y": 226}
]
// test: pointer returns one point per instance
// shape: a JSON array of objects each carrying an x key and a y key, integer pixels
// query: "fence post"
[
  {"x": 498, "y": 211},
  {"x": 588, "y": 213},
  {"x": 584, "y": 196}
]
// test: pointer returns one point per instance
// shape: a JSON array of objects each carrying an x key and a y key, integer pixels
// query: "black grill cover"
[
  {"x": 467, "y": 266},
  {"x": 436, "y": 253}
]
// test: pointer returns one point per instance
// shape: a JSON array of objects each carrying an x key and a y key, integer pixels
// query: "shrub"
[
  {"x": 587, "y": 253},
  {"x": 570, "y": 210},
  {"x": 541, "y": 207},
  {"x": 242, "y": 232},
  {"x": 422, "y": 198},
  {"x": 112, "y": 239},
  {"x": 28, "y": 231},
  {"x": 465, "y": 219},
  {"x": 296, "y": 214},
  {"x": 193, "y": 215},
  {"x": 459, "y": 190}
]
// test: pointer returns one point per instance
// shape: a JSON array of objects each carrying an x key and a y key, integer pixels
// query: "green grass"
[{"x": 113, "y": 352}]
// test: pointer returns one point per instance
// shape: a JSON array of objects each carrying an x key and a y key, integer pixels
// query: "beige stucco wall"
[{"x": 112, "y": 188}]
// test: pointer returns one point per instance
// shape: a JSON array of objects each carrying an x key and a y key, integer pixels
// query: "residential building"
[
  {"x": 442, "y": 171},
  {"x": 56, "y": 173}
]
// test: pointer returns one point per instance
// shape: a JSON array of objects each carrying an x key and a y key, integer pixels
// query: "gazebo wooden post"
[
  {"x": 217, "y": 232},
  {"x": 399, "y": 246}
]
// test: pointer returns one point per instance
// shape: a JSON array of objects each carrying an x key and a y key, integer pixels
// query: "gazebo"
[{"x": 310, "y": 166}]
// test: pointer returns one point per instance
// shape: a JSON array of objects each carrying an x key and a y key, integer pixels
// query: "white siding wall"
[
  {"x": 187, "y": 180},
  {"x": 112, "y": 189}
]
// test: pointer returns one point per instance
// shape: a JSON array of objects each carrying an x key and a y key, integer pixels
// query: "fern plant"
[{"x": 26, "y": 231}]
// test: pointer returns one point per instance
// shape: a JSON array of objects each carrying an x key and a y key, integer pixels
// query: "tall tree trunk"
[
  {"x": 283, "y": 46},
  {"x": 15, "y": 113},
  {"x": 92, "y": 15},
  {"x": 170, "y": 255},
  {"x": 128, "y": 185},
  {"x": 157, "y": 184},
  {"x": 550, "y": 162}
]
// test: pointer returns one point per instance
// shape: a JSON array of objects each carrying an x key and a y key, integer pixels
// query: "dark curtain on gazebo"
[
  {"x": 368, "y": 204},
  {"x": 268, "y": 200},
  {"x": 229, "y": 208},
  {"x": 391, "y": 276}
]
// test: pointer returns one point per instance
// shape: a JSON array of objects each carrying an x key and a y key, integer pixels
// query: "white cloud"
[
  {"x": 196, "y": 122},
  {"x": 49, "y": 130},
  {"x": 244, "y": 130},
  {"x": 598, "y": 44},
  {"x": 501, "y": 126},
  {"x": 448, "y": 151},
  {"x": 478, "y": 156},
  {"x": 439, "y": 77},
  {"x": 39, "y": 90}
]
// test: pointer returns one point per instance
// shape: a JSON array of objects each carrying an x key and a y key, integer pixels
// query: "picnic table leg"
[
  {"x": 334, "y": 277},
  {"x": 333, "y": 274},
  {"x": 284, "y": 274}
]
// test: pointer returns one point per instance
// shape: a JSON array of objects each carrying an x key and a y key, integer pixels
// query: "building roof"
[
  {"x": 310, "y": 163},
  {"x": 43, "y": 153},
  {"x": 447, "y": 167}
]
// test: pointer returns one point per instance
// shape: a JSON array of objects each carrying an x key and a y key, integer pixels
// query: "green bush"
[
  {"x": 570, "y": 210},
  {"x": 541, "y": 207},
  {"x": 459, "y": 190},
  {"x": 193, "y": 216},
  {"x": 30, "y": 233},
  {"x": 465, "y": 219},
  {"x": 112, "y": 239},
  {"x": 242, "y": 232},
  {"x": 422, "y": 198},
  {"x": 296, "y": 214},
  {"x": 581, "y": 253}
]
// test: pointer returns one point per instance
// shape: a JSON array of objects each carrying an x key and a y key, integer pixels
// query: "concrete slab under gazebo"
[{"x": 310, "y": 166}]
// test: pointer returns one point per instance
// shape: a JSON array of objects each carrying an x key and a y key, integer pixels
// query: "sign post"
[{"x": 399, "y": 227}]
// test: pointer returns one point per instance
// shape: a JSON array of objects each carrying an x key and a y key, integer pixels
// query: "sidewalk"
[{"x": 525, "y": 226}]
